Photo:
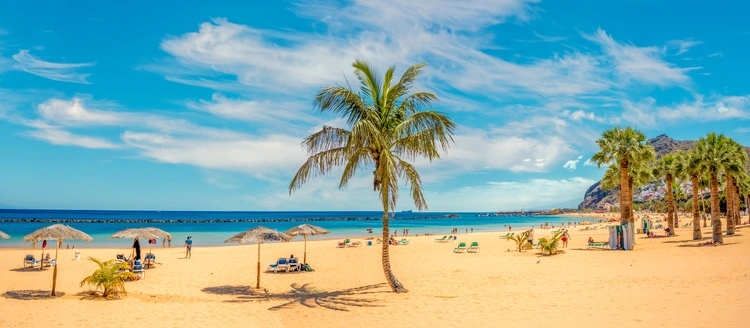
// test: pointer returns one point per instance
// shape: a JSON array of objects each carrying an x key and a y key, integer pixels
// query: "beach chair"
[
  {"x": 598, "y": 245},
  {"x": 355, "y": 244},
  {"x": 121, "y": 258},
  {"x": 404, "y": 241},
  {"x": 150, "y": 260},
  {"x": 506, "y": 236},
  {"x": 461, "y": 248},
  {"x": 30, "y": 262},
  {"x": 293, "y": 265},
  {"x": 281, "y": 264},
  {"x": 440, "y": 240},
  {"x": 48, "y": 263},
  {"x": 474, "y": 248},
  {"x": 138, "y": 269}
]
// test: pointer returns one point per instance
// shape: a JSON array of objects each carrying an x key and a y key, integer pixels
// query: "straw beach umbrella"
[
  {"x": 258, "y": 235},
  {"x": 4, "y": 235},
  {"x": 56, "y": 232},
  {"x": 304, "y": 230},
  {"x": 141, "y": 233}
]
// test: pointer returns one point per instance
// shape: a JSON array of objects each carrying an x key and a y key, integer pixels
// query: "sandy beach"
[{"x": 663, "y": 282}]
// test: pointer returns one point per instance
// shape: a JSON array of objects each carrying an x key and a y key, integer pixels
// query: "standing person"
[
  {"x": 531, "y": 236},
  {"x": 565, "y": 238},
  {"x": 188, "y": 247},
  {"x": 169, "y": 241},
  {"x": 164, "y": 242},
  {"x": 472, "y": 230}
]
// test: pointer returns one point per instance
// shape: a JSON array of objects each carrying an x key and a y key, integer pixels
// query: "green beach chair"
[
  {"x": 474, "y": 248},
  {"x": 440, "y": 240},
  {"x": 461, "y": 248}
]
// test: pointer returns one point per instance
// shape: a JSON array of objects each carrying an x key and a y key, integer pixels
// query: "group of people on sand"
[{"x": 404, "y": 232}]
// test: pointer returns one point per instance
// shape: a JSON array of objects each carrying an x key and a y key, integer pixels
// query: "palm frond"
[{"x": 317, "y": 165}]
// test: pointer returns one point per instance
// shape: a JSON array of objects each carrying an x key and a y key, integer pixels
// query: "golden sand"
[{"x": 663, "y": 282}]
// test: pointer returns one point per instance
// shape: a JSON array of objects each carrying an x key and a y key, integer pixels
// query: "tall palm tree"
[
  {"x": 388, "y": 125},
  {"x": 717, "y": 153},
  {"x": 704, "y": 182},
  {"x": 693, "y": 168},
  {"x": 731, "y": 172},
  {"x": 667, "y": 167},
  {"x": 623, "y": 147}
]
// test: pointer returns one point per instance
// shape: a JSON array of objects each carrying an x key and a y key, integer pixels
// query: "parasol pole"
[
  {"x": 41, "y": 260},
  {"x": 304, "y": 259},
  {"x": 257, "y": 286},
  {"x": 54, "y": 274}
]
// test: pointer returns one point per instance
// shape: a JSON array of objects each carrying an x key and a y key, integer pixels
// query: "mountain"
[{"x": 662, "y": 144}]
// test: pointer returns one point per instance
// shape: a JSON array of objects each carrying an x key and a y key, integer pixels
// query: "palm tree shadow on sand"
[{"x": 305, "y": 295}]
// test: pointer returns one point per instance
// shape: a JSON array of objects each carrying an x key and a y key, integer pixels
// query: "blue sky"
[{"x": 203, "y": 106}]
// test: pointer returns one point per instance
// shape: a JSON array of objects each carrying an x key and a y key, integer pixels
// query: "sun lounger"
[
  {"x": 403, "y": 241},
  {"x": 48, "y": 262},
  {"x": 30, "y": 262},
  {"x": 281, "y": 264},
  {"x": 440, "y": 240},
  {"x": 598, "y": 245},
  {"x": 474, "y": 248},
  {"x": 461, "y": 248},
  {"x": 355, "y": 244},
  {"x": 138, "y": 269},
  {"x": 149, "y": 260},
  {"x": 121, "y": 258},
  {"x": 293, "y": 265}
]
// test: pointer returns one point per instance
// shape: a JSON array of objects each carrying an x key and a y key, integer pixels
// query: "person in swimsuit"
[
  {"x": 565, "y": 238},
  {"x": 188, "y": 247}
]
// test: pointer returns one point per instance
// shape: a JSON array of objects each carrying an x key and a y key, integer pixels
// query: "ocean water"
[{"x": 214, "y": 233}]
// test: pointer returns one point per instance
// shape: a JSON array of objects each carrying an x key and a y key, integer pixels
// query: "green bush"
[
  {"x": 549, "y": 245},
  {"x": 109, "y": 278},
  {"x": 521, "y": 240}
]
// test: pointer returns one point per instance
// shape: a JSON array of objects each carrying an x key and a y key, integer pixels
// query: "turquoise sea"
[{"x": 214, "y": 233}]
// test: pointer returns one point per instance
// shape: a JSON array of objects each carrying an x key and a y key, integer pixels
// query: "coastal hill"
[{"x": 662, "y": 144}]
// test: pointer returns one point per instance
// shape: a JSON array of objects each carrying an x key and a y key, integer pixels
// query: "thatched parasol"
[
  {"x": 304, "y": 230},
  {"x": 142, "y": 233},
  {"x": 56, "y": 232},
  {"x": 258, "y": 235},
  {"x": 4, "y": 235}
]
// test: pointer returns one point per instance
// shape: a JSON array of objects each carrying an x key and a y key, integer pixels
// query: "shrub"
[
  {"x": 549, "y": 245},
  {"x": 521, "y": 240},
  {"x": 109, "y": 278}
]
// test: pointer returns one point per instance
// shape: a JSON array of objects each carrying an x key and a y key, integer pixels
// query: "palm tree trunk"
[
  {"x": 257, "y": 284},
  {"x": 715, "y": 211},
  {"x": 696, "y": 216},
  {"x": 625, "y": 201},
  {"x": 729, "y": 194},
  {"x": 396, "y": 286},
  {"x": 736, "y": 202},
  {"x": 630, "y": 197},
  {"x": 670, "y": 205}
]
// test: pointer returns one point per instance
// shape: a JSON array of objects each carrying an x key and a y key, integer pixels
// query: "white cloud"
[
  {"x": 265, "y": 112},
  {"x": 74, "y": 112},
  {"x": 571, "y": 165},
  {"x": 716, "y": 54},
  {"x": 60, "y": 137},
  {"x": 588, "y": 162},
  {"x": 646, "y": 113},
  {"x": 53, "y": 71},
  {"x": 641, "y": 64},
  {"x": 683, "y": 45}
]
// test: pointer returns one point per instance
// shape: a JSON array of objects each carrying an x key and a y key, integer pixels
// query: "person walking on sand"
[
  {"x": 164, "y": 242},
  {"x": 531, "y": 236},
  {"x": 169, "y": 241},
  {"x": 188, "y": 247},
  {"x": 565, "y": 238}
]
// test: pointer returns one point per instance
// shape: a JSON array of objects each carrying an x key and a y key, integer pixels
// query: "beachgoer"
[
  {"x": 472, "y": 230},
  {"x": 188, "y": 247},
  {"x": 47, "y": 257},
  {"x": 591, "y": 240},
  {"x": 67, "y": 246},
  {"x": 164, "y": 242},
  {"x": 565, "y": 238},
  {"x": 531, "y": 236},
  {"x": 510, "y": 228},
  {"x": 169, "y": 241}
]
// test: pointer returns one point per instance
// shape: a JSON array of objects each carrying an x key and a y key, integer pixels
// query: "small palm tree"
[
  {"x": 109, "y": 278},
  {"x": 388, "y": 126},
  {"x": 692, "y": 168},
  {"x": 521, "y": 240},
  {"x": 549, "y": 245},
  {"x": 623, "y": 147}
]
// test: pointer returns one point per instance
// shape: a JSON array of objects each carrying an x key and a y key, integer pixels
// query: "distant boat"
[{"x": 409, "y": 211}]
